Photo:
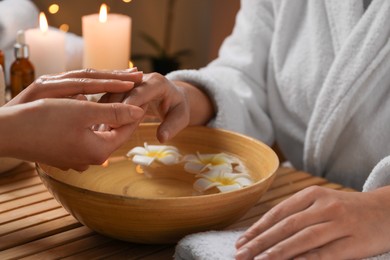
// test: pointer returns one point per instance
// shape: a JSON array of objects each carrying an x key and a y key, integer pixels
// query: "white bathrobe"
[{"x": 314, "y": 76}]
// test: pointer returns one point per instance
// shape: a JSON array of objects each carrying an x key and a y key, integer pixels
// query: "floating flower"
[
  {"x": 224, "y": 181},
  {"x": 146, "y": 155},
  {"x": 197, "y": 163}
]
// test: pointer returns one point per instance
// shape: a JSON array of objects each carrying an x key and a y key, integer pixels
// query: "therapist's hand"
[
  {"x": 77, "y": 84},
  {"x": 59, "y": 131},
  {"x": 45, "y": 123},
  {"x": 320, "y": 223}
]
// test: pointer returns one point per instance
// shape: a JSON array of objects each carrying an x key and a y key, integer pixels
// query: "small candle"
[
  {"x": 47, "y": 48},
  {"x": 106, "y": 40}
]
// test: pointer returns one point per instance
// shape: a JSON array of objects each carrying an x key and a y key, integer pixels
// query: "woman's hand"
[
  {"x": 319, "y": 223},
  {"x": 59, "y": 131},
  {"x": 177, "y": 104}
]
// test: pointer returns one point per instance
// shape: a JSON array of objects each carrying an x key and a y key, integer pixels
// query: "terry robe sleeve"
[{"x": 237, "y": 79}]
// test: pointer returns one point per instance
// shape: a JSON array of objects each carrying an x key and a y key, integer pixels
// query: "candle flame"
[
  {"x": 43, "y": 22},
  {"x": 103, "y": 13},
  {"x": 105, "y": 164},
  {"x": 131, "y": 64}
]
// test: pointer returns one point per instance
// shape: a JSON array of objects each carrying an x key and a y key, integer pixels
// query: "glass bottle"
[
  {"x": 2, "y": 59},
  {"x": 22, "y": 70}
]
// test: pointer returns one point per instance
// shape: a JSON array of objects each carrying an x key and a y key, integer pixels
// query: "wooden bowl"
[{"x": 121, "y": 203}]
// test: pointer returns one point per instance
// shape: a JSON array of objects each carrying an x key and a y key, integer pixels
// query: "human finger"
[
  {"x": 73, "y": 86},
  {"x": 117, "y": 136},
  {"x": 112, "y": 97},
  {"x": 303, "y": 241},
  {"x": 114, "y": 114},
  {"x": 175, "y": 121},
  {"x": 126, "y": 75},
  {"x": 80, "y": 97},
  {"x": 144, "y": 94},
  {"x": 279, "y": 232},
  {"x": 298, "y": 202}
]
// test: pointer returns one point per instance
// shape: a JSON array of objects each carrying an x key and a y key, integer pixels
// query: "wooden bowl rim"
[{"x": 100, "y": 194}]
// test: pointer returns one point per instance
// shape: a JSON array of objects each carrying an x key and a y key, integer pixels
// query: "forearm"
[{"x": 201, "y": 107}]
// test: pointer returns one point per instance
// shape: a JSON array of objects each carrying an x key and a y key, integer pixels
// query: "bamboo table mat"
[{"x": 34, "y": 226}]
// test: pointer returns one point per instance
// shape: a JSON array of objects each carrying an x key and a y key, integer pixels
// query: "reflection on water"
[
  {"x": 120, "y": 176},
  {"x": 123, "y": 177}
]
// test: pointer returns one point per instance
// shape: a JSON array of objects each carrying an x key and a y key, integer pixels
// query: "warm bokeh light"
[
  {"x": 131, "y": 65},
  {"x": 105, "y": 164},
  {"x": 43, "y": 22},
  {"x": 103, "y": 13},
  {"x": 126, "y": 1},
  {"x": 139, "y": 169},
  {"x": 54, "y": 8},
  {"x": 64, "y": 27}
]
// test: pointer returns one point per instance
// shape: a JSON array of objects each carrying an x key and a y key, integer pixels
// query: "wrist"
[
  {"x": 200, "y": 104},
  {"x": 7, "y": 131}
]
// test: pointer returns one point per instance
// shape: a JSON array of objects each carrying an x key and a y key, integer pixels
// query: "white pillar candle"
[
  {"x": 47, "y": 48},
  {"x": 106, "y": 40}
]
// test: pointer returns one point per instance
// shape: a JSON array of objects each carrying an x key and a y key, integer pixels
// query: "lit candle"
[
  {"x": 106, "y": 40},
  {"x": 47, "y": 48}
]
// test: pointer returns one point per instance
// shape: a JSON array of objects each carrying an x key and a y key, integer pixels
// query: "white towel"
[
  {"x": 215, "y": 245},
  {"x": 218, "y": 245}
]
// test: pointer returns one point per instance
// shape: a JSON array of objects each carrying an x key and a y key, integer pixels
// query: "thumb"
[{"x": 116, "y": 114}]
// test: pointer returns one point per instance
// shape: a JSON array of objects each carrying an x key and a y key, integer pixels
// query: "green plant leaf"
[
  {"x": 141, "y": 57},
  {"x": 181, "y": 53},
  {"x": 153, "y": 43}
]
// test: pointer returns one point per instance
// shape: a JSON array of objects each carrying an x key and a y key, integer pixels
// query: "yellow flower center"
[
  {"x": 157, "y": 154},
  {"x": 224, "y": 181},
  {"x": 213, "y": 161}
]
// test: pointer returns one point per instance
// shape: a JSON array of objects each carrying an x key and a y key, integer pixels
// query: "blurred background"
[{"x": 197, "y": 25}]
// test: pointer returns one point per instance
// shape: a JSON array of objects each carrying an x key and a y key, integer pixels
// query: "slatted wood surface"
[{"x": 34, "y": 226}]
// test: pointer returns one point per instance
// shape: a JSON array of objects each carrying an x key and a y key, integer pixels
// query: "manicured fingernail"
[
  {"x": 164, "y": 136},
  {"x": 243, "y": 254},
  {"x": 103, "y": 127},
  {"x": 241, "y": 241},
  {"x": 262, "y": 257}
]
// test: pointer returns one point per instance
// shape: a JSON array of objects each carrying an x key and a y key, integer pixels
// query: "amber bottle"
[
  {"x": 22, "y": 70},
  {"x": 2, "y": 59}
]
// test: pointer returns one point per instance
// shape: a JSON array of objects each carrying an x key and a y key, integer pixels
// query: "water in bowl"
[{"x": 120, "y": 176}]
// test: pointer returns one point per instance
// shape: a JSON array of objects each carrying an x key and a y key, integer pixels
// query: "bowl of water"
[{"x": 158, "y": 203}]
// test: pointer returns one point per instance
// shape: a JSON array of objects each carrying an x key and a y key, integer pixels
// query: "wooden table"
[{"x": 34, "y": 226}]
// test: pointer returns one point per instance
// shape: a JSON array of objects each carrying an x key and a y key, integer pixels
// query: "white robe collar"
[{"x": 362, "y": 57}]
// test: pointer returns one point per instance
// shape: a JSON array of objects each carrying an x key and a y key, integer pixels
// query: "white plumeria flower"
[
  {"x": 224, "y": 181},
  {"x": 198, "y": 163},
  {"x": 146, "y": 155}
]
